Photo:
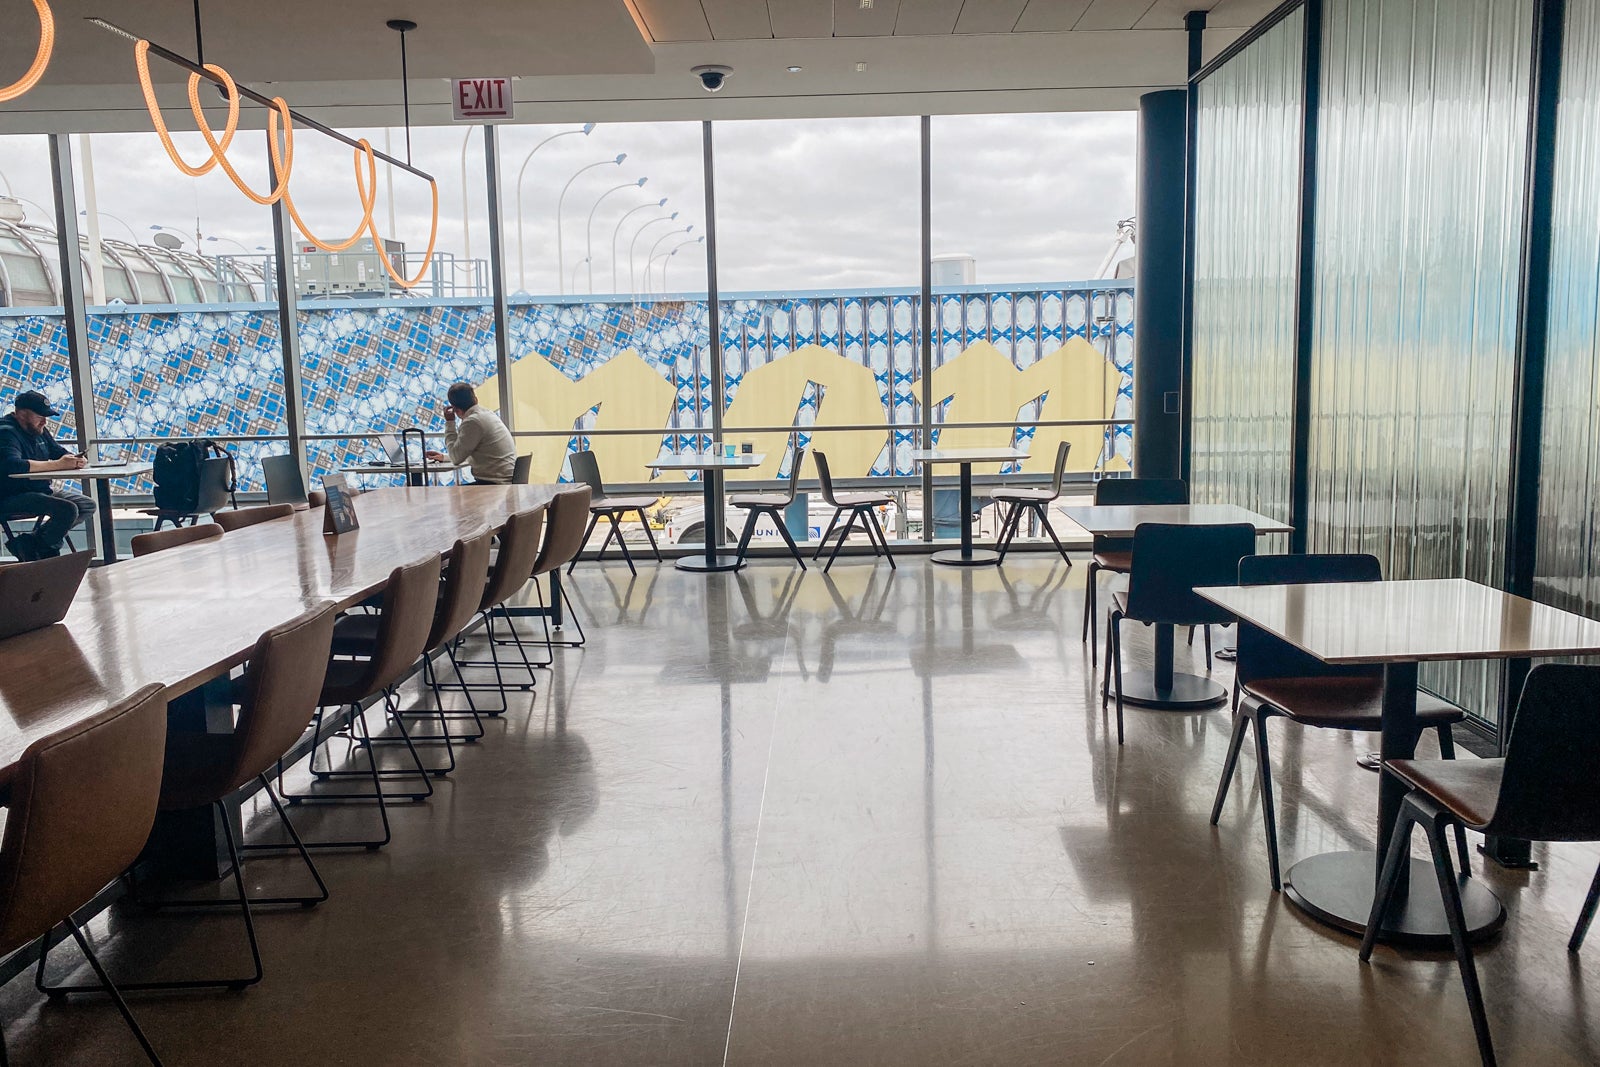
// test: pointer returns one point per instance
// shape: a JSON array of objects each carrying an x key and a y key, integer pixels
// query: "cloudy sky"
[{"x": 822, "y": 203}]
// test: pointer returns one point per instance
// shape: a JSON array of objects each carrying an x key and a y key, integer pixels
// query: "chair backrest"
[
  {"x": 409, "y": 601},
  {"x": 1109, "y": 492},
  {"x": 317, "y": 498},
  {"x": 281, "y": 682},
  {"x": 1063, "y": 450},
  {"x": 795, "y": 466},
  {"x": 1550, "y": 791},
  {"x": 1170, "y": 561},
  {"x": 519, "y": 548},
  {"x": 215, "y": 490},
  {"x": 565, "y": 521},
  {"x": 1260, "y": 655},
  {"x": 82, "y": 804},
  {"x": 586, "y": 471},
  {"x": 161, "y": 540},
  {"x": 819, "y": 459},
  {"x": 285, "y": 483},
  {"x": 462, "y": 591},
  {"x": 522, "y": 470},
  {"x": 238, "y": 518}
]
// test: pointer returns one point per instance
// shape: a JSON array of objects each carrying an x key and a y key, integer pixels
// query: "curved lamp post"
[
  {"x": 666, "y": 257},
  {"x": 617, "y": 232},
  {"x": 633, "y": 245},
  {"x": 522, "y": 270},
  {"x": 588, "y": 233},
  {"x": 651, "y": 258},
  {"x": 561, "y": 258}
]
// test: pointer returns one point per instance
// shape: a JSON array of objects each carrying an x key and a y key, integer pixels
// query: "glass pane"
[{"x": 33, "y": 338}]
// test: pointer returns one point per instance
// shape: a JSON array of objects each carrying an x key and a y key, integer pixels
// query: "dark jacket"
[{"x": 17, "y": 448}]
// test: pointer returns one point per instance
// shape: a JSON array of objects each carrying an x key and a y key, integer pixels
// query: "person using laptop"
[
  {"x": 475, "y": 436},
  {"x": 26, "y": 446}
]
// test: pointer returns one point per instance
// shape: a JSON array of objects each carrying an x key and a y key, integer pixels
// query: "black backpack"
[{"x": 177, "y": 473}]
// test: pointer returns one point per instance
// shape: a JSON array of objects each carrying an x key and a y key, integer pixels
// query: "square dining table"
[
  {"x": 101, "y": 476},
  {"x": 710, "y": 465},
  {"x": 966, "y": 555},
  {"x": 1399, "y": 625}
]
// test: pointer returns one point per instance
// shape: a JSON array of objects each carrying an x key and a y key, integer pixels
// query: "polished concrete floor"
[{"x": 868, "y": 818}]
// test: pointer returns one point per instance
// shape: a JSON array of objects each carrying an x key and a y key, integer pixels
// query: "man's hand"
[
  {"x": 78, "y": 462},
  {"x": 449, "y": 414},
  {"x": 436, "y": 457}
]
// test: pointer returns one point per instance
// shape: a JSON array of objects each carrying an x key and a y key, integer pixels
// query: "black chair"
[
  {"x": 586, "y": 471},
  {"x": 862, "y": 506},
  {"x": 38, "y": 520},
  {"x": 285, "y": 483},
  {"x": 773, "y": 504},
  {"x": 1115, "y": 554},
  {"x": 522, "y": 470},
  {"x": 1169, "y": 563},
  {"x": 1545, "y": 789},
  {"x": 214, "y": 493},
  {"x": 1021, "y": 500},
  {"x": 1274, "y": 679}
]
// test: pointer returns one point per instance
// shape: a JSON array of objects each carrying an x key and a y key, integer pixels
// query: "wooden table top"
[
  {"x": 1121, "y": 520},
  {"x": 89, "y": 474},
  {"x": 189, "y": 614},
  {"x": 1409, "y": 622}
]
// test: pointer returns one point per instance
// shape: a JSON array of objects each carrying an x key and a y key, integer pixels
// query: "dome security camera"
[{"x": 713, "y": 76}]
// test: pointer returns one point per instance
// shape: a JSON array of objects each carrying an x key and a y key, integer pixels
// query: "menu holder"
[{"x": 339, "y": 516}]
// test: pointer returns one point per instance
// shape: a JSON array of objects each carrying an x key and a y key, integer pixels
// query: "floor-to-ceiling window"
[{"x": 33, "y": 336}]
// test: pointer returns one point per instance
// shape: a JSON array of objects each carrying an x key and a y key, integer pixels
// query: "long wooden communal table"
[{"x": 187, "y": 616}]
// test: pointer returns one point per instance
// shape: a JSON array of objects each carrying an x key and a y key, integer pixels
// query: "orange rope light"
[
  {"x": 282, "y": 159},
  {"x": 141, "y": 60},
  {"x": 377, "y": 238},
  {"x": 41, "y": 59},
  {"x": 368, "y": 202}
]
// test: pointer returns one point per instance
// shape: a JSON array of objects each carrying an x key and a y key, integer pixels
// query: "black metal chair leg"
[
  {"x": 1269, "y": 816},
  {"x": 594, "y": 518},
  {"x": 1044, "y": 520},
  {"x": 1447, "y": 749},
  {"x": 1586, "y": 916},
  {"x": 1230, "y": 765},
  {"x": 1008, "y": 526},
  {"x": 843, "y": 537},
  {"x": 622, "y": 542},
  {"x": 1114, "y": 663},
  {"x": 297, "y": 844},
  {"x": 1450, "y": 891},
  {"x": 745, "y": 534},
  {"x": 788, "y": 538},
  {"x": 823, "y": 542},
  {"x": 650, "y": 535},
  {"x": 116, "y": 996},
  {"x": 1399, "y": 852},
  {"x": 1090, "y": 591},
  {"x": 883, "y": 540}
]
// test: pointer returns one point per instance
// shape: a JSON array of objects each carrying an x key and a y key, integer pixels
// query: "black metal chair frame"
[
  {"x": 38, "y": 520},
  {"x": 756, "y": 506},
  {"x": 1112, "y": 491},
  {"x": 586, "y": 469},
  {"x": 864, "y": 509},
  {"x": 1040, "y": 506}
]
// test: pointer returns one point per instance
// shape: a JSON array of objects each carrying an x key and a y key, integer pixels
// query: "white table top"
[
  {"x": 1121, "y": 520},
  {"x": 120, "y": 470},
  {"x": 1005, "y": 454},
  {"x": 707, "y": 461},
  {"x": 1409, "y": 622},
  {"x": 397, "y": 468}
]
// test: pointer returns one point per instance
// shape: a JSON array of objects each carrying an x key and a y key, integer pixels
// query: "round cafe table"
[{"x": 710, "y": 465}]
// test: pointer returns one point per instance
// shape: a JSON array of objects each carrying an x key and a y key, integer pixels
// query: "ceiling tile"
[
  {"x": 1051, "y": 16},
  {"x": 674, "y": 20},
  {"x": 1239, "y": 14},
  {"x": 989, "y": 16},
  {"x": 800, "y": 18},
  {"x": 850, "y": 19},
  {"x": 1114, "y": 14},
  {"x": 927, "y": 17},
  {"x": 738, "y": 20}
]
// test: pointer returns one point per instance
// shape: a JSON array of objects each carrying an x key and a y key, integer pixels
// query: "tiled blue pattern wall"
[{"x": 33, "y": 355}]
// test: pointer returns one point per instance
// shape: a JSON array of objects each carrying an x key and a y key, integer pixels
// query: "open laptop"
[
  {"x": 394, "y": 449},
  {"x": 109, "y": 457},
  {"x": 38, "y": 594}
]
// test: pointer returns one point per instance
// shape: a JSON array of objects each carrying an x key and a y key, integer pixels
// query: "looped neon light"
[
  {"x": 377, "y": 238},
  {"x": 282, "y": 159},
  {"x": 41, "y": 58},
  {"x": 368, "y": 202},
  {"x": 141, "y": 60}
]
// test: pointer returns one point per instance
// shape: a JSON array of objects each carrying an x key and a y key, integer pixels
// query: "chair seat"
[
  {"x": 861, "y": 500},
  {"x": 1023, "y": 495},
  {"x": 1343, "y": 703},
  {"x": 356, "y": 635},
  {"x": 1118, "y": 560},
  {"x": 621, "y": 503},
  {"x": 1119, "y": 604},
  {"x": 760, "y": 500},
  {"x": 1468, "y": 788},
  {"x": 196, "y": 769}
]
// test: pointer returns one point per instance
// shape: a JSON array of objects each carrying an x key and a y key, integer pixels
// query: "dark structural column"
[
  {"x": 1158, "y": 286},
  {"x": 1306, "y": 285},
  {"x": 1194, "y": 24}
]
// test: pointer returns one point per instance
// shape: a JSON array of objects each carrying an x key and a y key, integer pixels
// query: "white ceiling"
[{"x": 615, "y": 60}]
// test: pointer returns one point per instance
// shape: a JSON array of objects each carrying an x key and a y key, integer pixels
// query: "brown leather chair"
[
  {"x": 460, "y": 593},
  {"x": 409, "y": 600},
  {"x": 146, "y": 543},
  {"x": 1115, "y": 554},
  {"x": 512, "y": 567},
  {"x": 773, "y": 504},
  {"x": 1545, "y": 789},
  {"x": 239, "y": 518},
  {"x": 1022, "y": 499},
  {"x": 862, "y": 506},
  {"x": 1274, "y": 679},
  {"x": 317, "y": 498},
  {"x": 81, "y": 805},
  {"x": 602, "y": 505},
  {"x": 563, "y": 538},
  {"x": 522, "y": 470}
]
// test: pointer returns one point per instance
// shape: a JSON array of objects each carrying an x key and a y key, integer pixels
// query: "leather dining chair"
[
  {"x": 563, "y": 537},
  {"x": 522, "y": 470},
  {"x": 1544, "y": 789},
  {"x": 1022, "y": 499},
  {"x": 80, "y": 808},
  {"x": 586, "y": 471},
  {"x": 147, "y": 543},
  {"x": 239, "y": 518},
  {"x": 1114, "y": 555},
  {"x": 512, "y": 566},
  {"x": 862, "y": 506},
  {"x": 1169, "y": 563},
  {"x": 276, "y": 697},
  {"x": 316, "y": 498},
  {"x": 1274, "y": 679},
  {"x": 774, "y": 505},
  {"x": 409, "y": 600},
  {"x": 285, "y": 482}
]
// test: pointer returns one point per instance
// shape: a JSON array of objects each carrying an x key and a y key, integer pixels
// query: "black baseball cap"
[{"x": 35, "y": 402}]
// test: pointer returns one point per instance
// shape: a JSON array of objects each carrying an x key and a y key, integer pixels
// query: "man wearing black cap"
[{"x": 26, "y": 446}]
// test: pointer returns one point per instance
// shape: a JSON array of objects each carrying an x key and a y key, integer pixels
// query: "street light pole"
[
  {"x": 466, "y": 217},
  {"x": 588, "y": 232},
  {"x": 617, "y": 232},
  {"x": 522, "y": 269},
  {"x": 561, "y": 271},
  {"x": 117, "y": 219},
  {"x": 634, "y": 244},
  {"x": 667, "y": 258},
  {"x": 651, "y": 258}
]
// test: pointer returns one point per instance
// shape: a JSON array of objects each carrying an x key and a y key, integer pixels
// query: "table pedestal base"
[
  {"x": 1188, "y": 692},
  {"x": 721, "y": 561},
  {"x": 1336, "y": 888},
  {"x": 977, "y": 557}
]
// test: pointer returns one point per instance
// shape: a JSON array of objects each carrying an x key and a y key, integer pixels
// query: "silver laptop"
[
  {"x": 109, "y": 457},
  {"x": 394, "y": 448},
  {"x": 38, "y": 594}
]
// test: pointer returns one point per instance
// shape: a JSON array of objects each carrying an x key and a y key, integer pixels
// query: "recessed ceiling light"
[
  {"x": 860, "y": 67},
  {"x": 795, "y": 69},
  {"x": 866, "y": 5}
]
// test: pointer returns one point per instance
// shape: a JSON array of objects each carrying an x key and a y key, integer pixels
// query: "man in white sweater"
[{"x": 475, "y": 436}]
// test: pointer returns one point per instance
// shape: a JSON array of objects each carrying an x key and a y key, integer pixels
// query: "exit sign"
[{"x": 481, "y": 98}]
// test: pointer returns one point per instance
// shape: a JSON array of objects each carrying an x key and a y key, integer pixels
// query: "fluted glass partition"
[
  {"x": 1420, "y": 187},
  {"x": 1247, "y": 215},
  {"x": 1569, "y": 502}
]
